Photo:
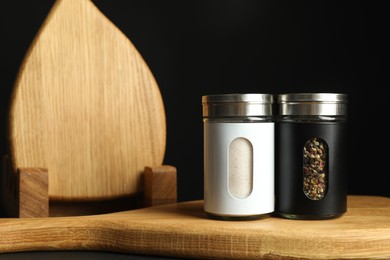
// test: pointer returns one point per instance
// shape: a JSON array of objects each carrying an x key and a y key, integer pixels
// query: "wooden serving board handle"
[{"x": 184, "y": 230}]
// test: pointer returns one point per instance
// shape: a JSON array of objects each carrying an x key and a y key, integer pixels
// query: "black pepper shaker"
[{"x": 311, "y": 169}]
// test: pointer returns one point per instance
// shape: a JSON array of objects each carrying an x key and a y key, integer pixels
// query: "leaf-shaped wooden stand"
[
  {"x": 86, "y": 109},
  {"x": 183, "y": 230}
]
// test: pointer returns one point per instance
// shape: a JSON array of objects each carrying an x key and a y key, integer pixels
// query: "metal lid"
[
  {"x": 237, "y": 105},
  {"x": 330, "y": 104}
]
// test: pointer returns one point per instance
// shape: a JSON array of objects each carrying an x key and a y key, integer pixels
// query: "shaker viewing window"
[
  {"x": 315, "y": 168},
  {"x": 240, "y": 169}
]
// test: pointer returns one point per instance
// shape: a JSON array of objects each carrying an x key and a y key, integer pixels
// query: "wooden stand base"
[
  {"x": 26, "y": 194},
  {"x": 159, "y": 185},
  {"x": 25, "y": 191}
]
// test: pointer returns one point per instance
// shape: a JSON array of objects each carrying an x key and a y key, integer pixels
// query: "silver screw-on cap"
[
  {"x": 237, "y": 105},
  {"x": 330, "y": 104}
]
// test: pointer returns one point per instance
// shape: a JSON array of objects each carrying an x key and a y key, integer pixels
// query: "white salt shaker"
[{"x": 238, "y": 155}]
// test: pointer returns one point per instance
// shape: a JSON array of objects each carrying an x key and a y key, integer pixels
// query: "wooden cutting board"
[
  {"x": 86, "y": 107},
  {"x": 184, "y": 230}
]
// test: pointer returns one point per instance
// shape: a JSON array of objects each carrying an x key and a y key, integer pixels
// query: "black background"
[{"x": 196, "y": 47}]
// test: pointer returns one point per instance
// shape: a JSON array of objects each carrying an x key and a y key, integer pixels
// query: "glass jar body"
[
  {"x": 311, "y": 170},
  {"x": 239, "y": 167}
]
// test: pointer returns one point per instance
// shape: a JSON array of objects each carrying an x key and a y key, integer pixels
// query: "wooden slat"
[
  {"x": 33, "y": 192},
  {"x": 160, "y": 185},
  {"x": 25, "y": 191},
  {"x": 184, "y": 230}
]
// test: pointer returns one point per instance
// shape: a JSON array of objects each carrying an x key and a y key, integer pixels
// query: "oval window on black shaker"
[{"x": 315, "y": 168}]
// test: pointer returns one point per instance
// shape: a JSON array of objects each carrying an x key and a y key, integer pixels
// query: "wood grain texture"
[
  {"x": 184, "y": 230},
  {"x": 160, "y": 185},
  {"x": 86, "y": 107},
  {"x": 33, "y": 192}
]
